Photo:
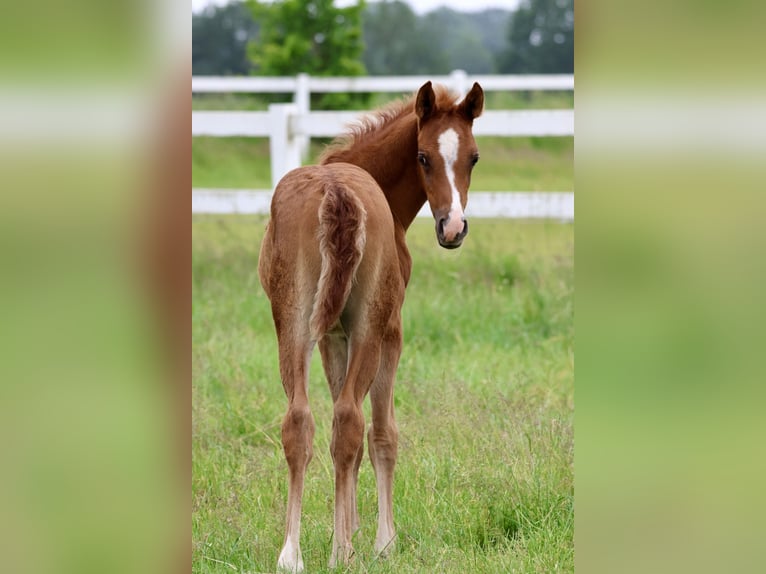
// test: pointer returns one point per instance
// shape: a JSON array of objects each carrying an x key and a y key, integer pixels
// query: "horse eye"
[
  {"x": 475, "y": 159},
  {"x": 423, "y": 159}
]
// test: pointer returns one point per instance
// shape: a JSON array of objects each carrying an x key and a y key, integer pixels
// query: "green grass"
[
  {"x": 231, "y": 163},
  {"x": 507, "y": 164},
  {"x": 484, "y": 400}
]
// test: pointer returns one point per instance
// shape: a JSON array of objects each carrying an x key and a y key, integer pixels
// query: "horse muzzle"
[{"x": 451, "y": 233}]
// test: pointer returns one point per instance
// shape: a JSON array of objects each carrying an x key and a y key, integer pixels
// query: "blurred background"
[{"x": 389, "y": 37}]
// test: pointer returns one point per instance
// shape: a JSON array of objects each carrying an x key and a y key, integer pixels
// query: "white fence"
[
  {"x": 289, "y": 126},
  {"x": 302, "y": 85},
  {"x": 517, "y": 205}
]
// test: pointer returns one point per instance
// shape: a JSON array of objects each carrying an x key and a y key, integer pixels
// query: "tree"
[
  {"x": 219, "y": 40},
  {"x": 492, "y": 26},
  {"x": 310, "y": 36},
  {"x": 541, "y": 38},
  {"x": 397, "y": 43},
  {"x": 457, "y": 36}
]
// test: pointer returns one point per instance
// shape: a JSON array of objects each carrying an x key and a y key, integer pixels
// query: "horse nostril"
[{"x": 440, "y": 227}]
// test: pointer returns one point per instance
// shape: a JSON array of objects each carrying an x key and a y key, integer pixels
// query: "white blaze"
[{"x": 448, "y": 148}]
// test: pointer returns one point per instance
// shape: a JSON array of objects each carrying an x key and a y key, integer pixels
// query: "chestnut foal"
[{"x": 334, "y": 264}]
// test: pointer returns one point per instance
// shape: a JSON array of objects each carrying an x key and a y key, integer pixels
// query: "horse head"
[{"x": 447, "y": 153}]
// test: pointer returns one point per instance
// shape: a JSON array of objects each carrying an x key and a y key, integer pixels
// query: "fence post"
[
  {"x": 459, "y": 81},
  {"x": 283, "y": 147},
  {"x": 303, "y": 101}
]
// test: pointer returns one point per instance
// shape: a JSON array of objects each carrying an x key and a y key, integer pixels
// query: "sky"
[{"x": 419, "y": 6}]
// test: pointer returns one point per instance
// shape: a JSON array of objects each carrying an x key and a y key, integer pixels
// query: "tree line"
[{"x": 380, "y": 38}]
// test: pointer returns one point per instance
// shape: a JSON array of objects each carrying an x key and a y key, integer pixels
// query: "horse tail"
[{"x": 342, "y": 237}]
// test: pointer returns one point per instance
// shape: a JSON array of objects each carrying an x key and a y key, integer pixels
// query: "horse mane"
[{"x": 372, "y": 123}]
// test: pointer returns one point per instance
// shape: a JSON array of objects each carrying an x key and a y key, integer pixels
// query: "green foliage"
[
  {"x": 219, "y": 40},
  {"x": 492, "y": 28},
  {"x": 398, "y": 41},
  {"x": 309, "y": 36},
  {"x": 484, "y": 402},
  {"x": 457, "y": 36},
  {"x": 382, "y": 38},
  {"x": 541, "y": 38}
]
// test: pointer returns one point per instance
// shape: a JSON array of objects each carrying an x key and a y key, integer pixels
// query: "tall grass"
[{"x": 484, "y": 402}]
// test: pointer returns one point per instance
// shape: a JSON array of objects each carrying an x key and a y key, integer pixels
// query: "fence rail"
[
  {"x": 303, "y": 84},
  {"x": 328, "y": 124},
  {"x": 289, "y": 126},
  {"x": 481, "y": 204}
]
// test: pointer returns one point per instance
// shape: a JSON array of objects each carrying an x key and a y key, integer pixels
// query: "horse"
[{"x": 334, "y": 264}]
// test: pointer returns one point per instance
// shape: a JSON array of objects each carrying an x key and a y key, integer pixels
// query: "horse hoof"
[
  {"x": 290, "y": 560},
  {"x": 384, "y": 550},
  {"x": 342, "y": 557}
]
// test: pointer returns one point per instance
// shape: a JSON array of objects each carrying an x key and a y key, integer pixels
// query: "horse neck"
[{"x": 389, "y": 157}]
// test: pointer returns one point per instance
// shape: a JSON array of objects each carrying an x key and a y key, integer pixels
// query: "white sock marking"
[{"x": 290, "y": 559}]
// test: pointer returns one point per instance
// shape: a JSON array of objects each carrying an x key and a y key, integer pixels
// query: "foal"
[{"x": 334, "y": 264}]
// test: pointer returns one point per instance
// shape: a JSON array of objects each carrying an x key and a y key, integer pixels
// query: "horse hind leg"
[
  {"x": 334, "y": 350},
  {"x": 346, "y": 445},
  {"x": 297, "y": 441},
  {"x": 382, "y": 438},
  {"x": 333, "y": 347}
]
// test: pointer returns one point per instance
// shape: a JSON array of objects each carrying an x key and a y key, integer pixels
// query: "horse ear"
[
  {"x": 425, "y": 103},
  {"x": 473, "y": 104}
]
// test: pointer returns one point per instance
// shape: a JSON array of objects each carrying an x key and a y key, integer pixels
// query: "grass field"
[{"x": 484, "y": 400}]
